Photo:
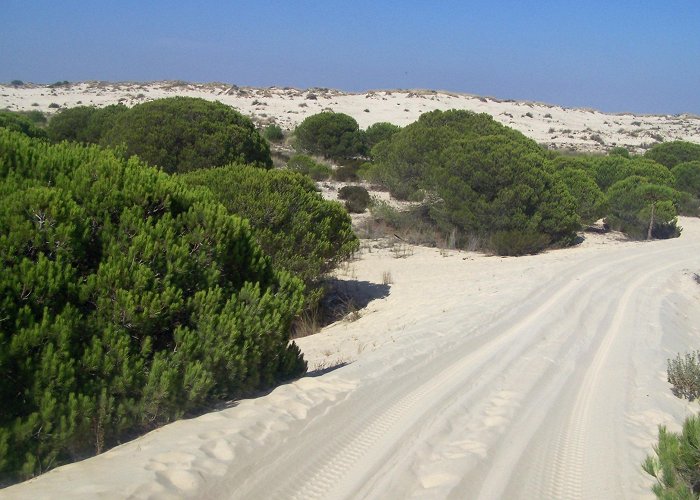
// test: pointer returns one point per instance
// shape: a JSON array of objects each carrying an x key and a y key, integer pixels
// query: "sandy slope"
[
  {"x": 468, "y": 377},
  {"x": 558, "y": 127}
]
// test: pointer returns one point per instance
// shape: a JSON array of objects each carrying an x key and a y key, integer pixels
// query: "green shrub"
[
  {"x": 683, "y": 374},
  {"x": 619, "y": 151},
  {"x": 329, "y": 134},
  {"x": 180, "y": 134},
  {"x": 516, "y": 242},
  {"x": 671, "y": 154},
  {"x": 128, "y": 300},
  {"x": 356, "y": 198},
  {"x": 687, "y": 177},
  {"x": 302, "y": 232},
  {"x": 84, "y": 123},
  {"x": 478, "y": 176},
  {"x": 307, "y": 166},
  {"x": 345, "y": 173},
  {"x": 636, "y": 205},
  {"x": 21, "y": 123},
  {"x": 35, "y": 116},
  {"x": 378, "y": 132},
  {"x": 676, "y": 466},
  {"x": 273, "y": 133},
  {"x": 590, "y": 200}
]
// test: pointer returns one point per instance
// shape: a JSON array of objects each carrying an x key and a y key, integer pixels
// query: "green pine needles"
[{"x": 126, "y": 301}]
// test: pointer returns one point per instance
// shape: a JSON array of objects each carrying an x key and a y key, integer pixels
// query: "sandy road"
[
  {"x": 536, "y": 377},
  {"x": 538, "y": 404}
]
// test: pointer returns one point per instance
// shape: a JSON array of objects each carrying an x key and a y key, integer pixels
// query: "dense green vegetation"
[
  {"x": 84, "y": 123},
  {"x": 485, "y": 182},
  {"x": 687, "y": 177},
  {"x": 478, "y": 178},
  {"x": 273, "y": 133},
  {"x": 23, "y": 123},
  {"x": 331, "y": 135},
  {"x": 302, "y": 232},
  {"x": 127, "y": 299},
  {"x": 676, "y": 465},
  {"x": 308, "y": 166},
  {"x": 671, "y": 154},
  {"x": 181, "y": 134},
  {"x": 379, "y": 132}
]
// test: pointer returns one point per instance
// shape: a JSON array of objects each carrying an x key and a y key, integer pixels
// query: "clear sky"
[{"x": 615, "y": 55}]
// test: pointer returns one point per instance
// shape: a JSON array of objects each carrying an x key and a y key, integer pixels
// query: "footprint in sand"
[
  {"x": 219, "y": 449},
  {"x": 178, "y": 479}
]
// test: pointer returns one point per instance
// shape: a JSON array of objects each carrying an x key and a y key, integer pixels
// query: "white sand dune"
[
  {"x": 475, "y": 377},
  {"x": 555, "y": 126}
]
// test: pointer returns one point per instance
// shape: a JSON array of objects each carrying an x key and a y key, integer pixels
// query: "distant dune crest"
[{"x": 557, "y": 127}]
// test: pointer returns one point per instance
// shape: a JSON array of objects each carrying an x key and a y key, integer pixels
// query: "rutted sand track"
[{"x": 538, "y": 377}]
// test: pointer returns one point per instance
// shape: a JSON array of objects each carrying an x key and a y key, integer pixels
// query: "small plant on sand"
[
  {"x": 386, "y": 278},
  {"x": 684, "y": 375},
  {"x": 676, "y": 461},
  {"x": 401, "y": 251}
]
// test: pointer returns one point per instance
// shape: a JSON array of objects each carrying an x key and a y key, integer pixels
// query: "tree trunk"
[{"x": 651, "y": 221}]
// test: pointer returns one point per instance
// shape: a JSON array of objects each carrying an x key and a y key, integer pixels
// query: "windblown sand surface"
[
  {"x": 555, "y": 126},
  {"x": 467, "y": 377}
]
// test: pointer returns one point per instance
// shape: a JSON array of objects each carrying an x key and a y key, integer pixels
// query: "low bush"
[
  {"x": 308, "y": 166},
  {"x": 346, "y": 173},
  {"x": 273, "y": 133},
  {"x": 516, "y": 242},
  {"x": 356, "y": 198},
  {"x": 331, "y": 135}
]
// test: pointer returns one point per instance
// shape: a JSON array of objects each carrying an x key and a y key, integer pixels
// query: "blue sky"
[{"x": 640, "y": 56}]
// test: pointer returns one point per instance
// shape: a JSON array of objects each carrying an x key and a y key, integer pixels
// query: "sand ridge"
[{"x": 554, "y": 126}]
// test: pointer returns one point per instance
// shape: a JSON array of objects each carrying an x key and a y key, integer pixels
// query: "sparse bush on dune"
[
  {"x": 356, "y": 198},
  {"x": 127, "y": 300}
]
